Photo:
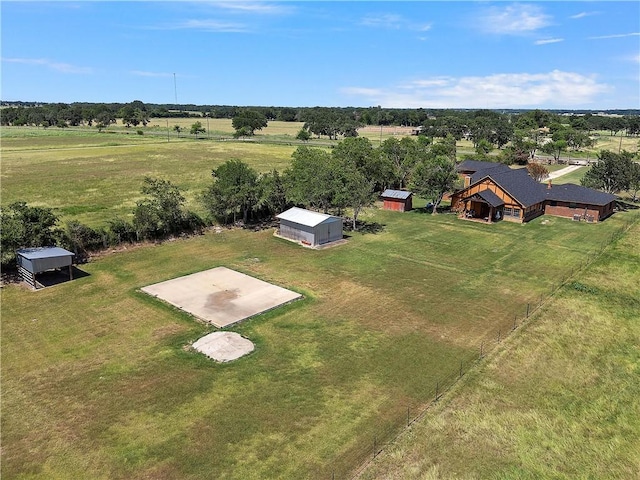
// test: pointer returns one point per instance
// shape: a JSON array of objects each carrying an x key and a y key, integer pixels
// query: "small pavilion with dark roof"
[{"x": 32, "y": 261}]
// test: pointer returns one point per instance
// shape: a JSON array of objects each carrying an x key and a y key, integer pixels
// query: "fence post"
[
  {"x": 515, "y": 322},
  {"x": 527, "y": 310},
  {"x": 460, "y": 368}
]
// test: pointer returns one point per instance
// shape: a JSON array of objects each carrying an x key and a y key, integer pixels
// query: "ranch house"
[
  {"x": 397, "y": 200},
  {"x": 495, "y": 192}
]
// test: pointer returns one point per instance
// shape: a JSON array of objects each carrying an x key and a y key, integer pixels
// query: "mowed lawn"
[
  {"x": 98, "y": 380},
  {"x": 560, "y": 399}
]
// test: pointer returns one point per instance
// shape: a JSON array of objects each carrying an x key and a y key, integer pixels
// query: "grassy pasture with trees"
[
  {"x": 98, "y": 383},
  {"x": 93, "y": 181}
]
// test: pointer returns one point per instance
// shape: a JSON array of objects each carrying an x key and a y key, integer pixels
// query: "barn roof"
[
  {"x": 43, "y": 252},
  {"x": 305, "y": 217},
  {"x": 401, "y": 194}
]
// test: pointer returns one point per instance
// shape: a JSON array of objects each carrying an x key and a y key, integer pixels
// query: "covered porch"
[{"x": 484, "y": 206}]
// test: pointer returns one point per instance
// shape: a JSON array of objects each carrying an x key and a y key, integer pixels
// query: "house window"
[
  {"x": 516, "y": 212},
  {"x": 572, "y": 205},
  {"x": 507, "y": 211}
]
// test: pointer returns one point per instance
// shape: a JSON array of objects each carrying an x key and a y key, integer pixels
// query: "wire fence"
[{"x": 402, "y": 414}]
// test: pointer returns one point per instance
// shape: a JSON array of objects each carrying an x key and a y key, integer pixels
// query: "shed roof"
[
  {"x": 43, "y": 252},
  {"x": 306, "y": 217},
  {"x": 401, "y": 194}
]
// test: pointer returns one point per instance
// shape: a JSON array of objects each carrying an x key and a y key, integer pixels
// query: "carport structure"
[{"x": 32, "y": 261}]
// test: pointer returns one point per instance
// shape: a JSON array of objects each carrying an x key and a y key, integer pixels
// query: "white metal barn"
[{"x": 310, "y": 228}]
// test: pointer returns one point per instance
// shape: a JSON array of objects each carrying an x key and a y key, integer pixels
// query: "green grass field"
[
  {"x": 98, "y": 380},
  {"x": 84, "y": 177},
  {"x": 560, "y": 399}
]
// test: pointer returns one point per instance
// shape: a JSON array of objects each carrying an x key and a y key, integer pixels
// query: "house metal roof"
[
  {"x": 306, "y": 217},
  {"x": 401, "y": 194},
  {"x": 569, "y": 192},
  {"x": 43, "y": 252}
]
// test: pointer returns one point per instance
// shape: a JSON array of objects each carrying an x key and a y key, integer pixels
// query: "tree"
[
  {"x": 433, "y": 177},
  {"x": 81, "y": 239},
  {"x": 555, "y": 149},
  {"x": 233, "y": 192},
  {"x": 400, "y": 156},
  {"x": 537, "y": 171},
  {"x": 178, "y": 129},
  {"x": 160, "y": 214},
  {"x": 612, "y": 173},
  {"x": 246, "y": 122},
  {"x": 24, "y": 226},
  {"x": 272, "y": 194},
  {"x": 197, "y": 129},
  {"x": 356, "y": 192},
  {"x": 484, "y": 147},
  {"x": 303, "y": 135},
  {"x": 310, "y": 180},
  {"x": 359, "y": 153},
  {"x": 634, "y": 181}
]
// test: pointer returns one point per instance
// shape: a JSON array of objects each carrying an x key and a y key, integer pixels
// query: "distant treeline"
[{"x": 138, "y": 113}]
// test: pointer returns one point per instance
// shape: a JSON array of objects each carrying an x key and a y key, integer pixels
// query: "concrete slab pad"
[
  {"x": 221, "y": 296},
  {"x": 224, "y": 346}
]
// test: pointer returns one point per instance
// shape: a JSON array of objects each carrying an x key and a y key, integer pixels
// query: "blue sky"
[{"x": 574, "y": 55}]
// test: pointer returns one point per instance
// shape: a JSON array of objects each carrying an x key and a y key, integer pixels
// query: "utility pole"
[{"x": 175, "y": 90}]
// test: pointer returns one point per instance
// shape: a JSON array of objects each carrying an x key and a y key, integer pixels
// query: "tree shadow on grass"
[
  {"x": 624, "y": 206},
  {"x": 363, "y": 226},
  {"x": 428, "y": 210}
]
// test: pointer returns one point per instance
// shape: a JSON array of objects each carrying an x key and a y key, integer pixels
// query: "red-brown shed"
[{"x": 398, "y": 200}]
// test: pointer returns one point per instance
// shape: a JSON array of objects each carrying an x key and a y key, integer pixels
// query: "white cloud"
[
  {"x": 583, "y": 15},
  {"x": 391, "y": 21},
  {"x": 141, "y": 73},
  {"x": 210, "y": 25},
  {"x": 617, "y": 35},
  {"x": 547, "y": 41},
  {"x": 254, "y": 7},
  {"x": 57, "y": 66},
  {"x": 506, "y": 90},
  {"x": 388, "y": 20},
  {"x": 514, "y": 19}
]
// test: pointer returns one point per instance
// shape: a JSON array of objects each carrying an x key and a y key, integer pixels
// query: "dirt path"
[{"x": 563, "y": 171}]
